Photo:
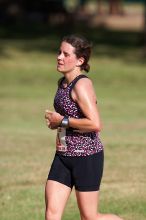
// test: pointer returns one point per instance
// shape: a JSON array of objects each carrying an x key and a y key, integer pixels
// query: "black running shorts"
[{"x": 84, "y": 173}]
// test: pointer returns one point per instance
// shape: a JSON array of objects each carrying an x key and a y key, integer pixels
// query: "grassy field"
[{"x": 27, "y": 85}]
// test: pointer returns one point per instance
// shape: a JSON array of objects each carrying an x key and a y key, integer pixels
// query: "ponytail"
[{"x": 85, "y": 67}]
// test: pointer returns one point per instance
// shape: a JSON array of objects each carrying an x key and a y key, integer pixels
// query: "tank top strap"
[{"x": 75, "y": 81}]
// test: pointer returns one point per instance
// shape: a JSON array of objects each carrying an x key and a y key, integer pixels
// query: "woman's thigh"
[
  {"x": 88, "y": 204},
  {"x": 56, "y": 196},
  {"x": 87, "y": 172}
]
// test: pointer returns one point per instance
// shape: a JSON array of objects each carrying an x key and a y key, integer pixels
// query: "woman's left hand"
[{"x": 53, "y": 119}]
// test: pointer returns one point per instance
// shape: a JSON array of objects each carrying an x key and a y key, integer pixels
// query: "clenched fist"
[{"x": 53, "y": 119}]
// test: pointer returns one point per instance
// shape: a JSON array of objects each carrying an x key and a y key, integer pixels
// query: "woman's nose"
[{"x": 60, "y": 56}]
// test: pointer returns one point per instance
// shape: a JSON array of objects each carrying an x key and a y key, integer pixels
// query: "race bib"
[{"x": 60, "y": 140}]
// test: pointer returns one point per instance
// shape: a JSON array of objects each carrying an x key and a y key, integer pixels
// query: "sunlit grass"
[{"x": 28, "y": 81}]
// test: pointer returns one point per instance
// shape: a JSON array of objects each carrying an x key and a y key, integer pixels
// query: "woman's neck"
[{"x": 71, "y": 76}]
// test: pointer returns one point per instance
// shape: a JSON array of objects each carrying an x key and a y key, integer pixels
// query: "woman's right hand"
[{"x": 53, "y": 119}]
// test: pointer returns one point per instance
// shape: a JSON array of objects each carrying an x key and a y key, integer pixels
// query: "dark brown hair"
[{"x": 82, "y": 49}]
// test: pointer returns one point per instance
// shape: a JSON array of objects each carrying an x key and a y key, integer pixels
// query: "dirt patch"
[{"x": 131, "y": 22}]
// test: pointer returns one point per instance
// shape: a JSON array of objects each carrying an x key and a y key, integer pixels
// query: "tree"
[
  {"x": 100, "y": 9},
  {"x": 115, "y": 7},
  {"x": 13, "y": 10}
]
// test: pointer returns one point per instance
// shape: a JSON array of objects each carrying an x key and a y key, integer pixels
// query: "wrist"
[{"x": 65, "y": 122}]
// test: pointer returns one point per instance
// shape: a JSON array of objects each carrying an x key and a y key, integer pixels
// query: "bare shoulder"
[
  {"x": 84, "y": 83},
  {"x": 84, "y": 89}
]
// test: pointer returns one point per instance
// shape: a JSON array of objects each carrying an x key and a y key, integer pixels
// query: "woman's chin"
[{"x": 61, "y": 70}]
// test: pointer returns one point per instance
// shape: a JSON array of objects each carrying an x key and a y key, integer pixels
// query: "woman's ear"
[{"x": 80, "y": 61}]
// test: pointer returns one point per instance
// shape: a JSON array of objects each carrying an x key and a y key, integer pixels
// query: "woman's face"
[{"x": 66, "y": 59}]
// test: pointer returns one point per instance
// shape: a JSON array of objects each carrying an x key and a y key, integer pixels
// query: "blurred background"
[{"x": 30, "y": 34}]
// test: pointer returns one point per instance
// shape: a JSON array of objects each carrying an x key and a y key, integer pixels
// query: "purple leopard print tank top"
[{"x": 70, "y": 142}]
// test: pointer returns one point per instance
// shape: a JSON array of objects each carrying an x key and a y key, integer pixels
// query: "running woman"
[{"x": 79, "y": 156}]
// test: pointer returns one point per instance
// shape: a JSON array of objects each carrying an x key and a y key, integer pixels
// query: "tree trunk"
[
  {"x": 99, "y": 7},
  {"x": 115, "y": 7}
]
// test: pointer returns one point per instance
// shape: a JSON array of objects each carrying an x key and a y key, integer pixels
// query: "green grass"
[{"x": 27, "y": 85}]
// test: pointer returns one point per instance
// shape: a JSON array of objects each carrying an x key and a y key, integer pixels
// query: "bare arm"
[{"x": 83, "y": 93}]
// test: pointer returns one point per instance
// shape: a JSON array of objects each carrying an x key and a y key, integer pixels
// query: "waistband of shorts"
[{"x": 76, "y": 156}]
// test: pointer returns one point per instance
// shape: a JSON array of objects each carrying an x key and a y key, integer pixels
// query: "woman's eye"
[{"x": 66, "y": 54}]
